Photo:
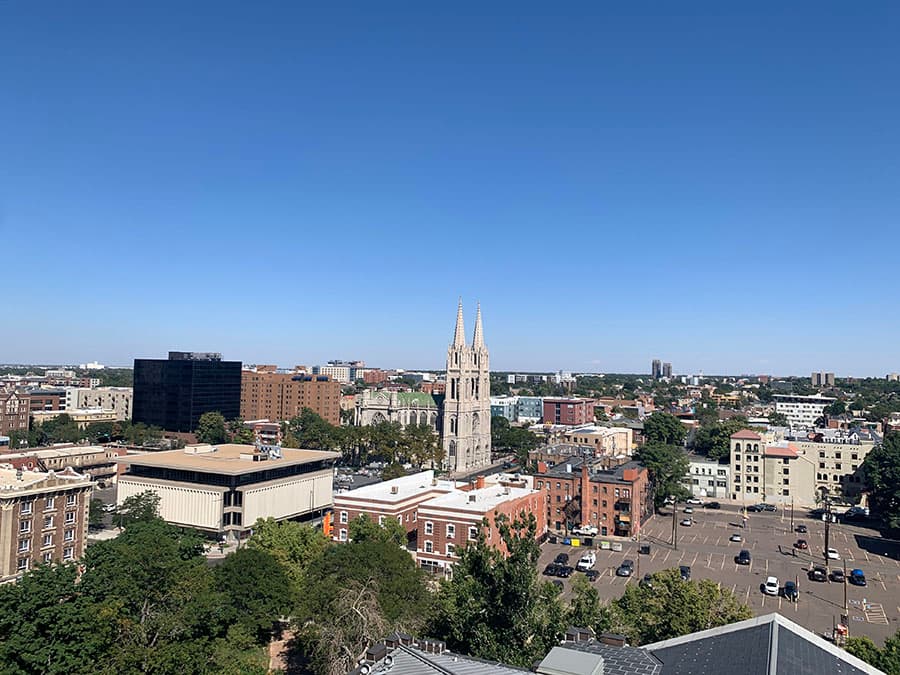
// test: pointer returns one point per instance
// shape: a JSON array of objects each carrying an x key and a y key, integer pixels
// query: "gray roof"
[
  {"x": 409, "y": 660},
  {"x": 617, "y": 660},
  {"x": 765, "y": 645}
]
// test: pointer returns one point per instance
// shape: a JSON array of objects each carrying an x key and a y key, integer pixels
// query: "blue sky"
[{"x": 713, "y": 185}]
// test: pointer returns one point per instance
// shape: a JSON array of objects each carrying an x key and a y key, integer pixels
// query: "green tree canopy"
[
  {"x": 142, "y": 507},
  {"x": 211, "y": 428},
  {"x": 664, "y": 429},
  {"x": 240, "y": 433},
  {"x": 882, "y": 471},
  {"x": 294, "y": 545},
  {"x": 518, "y": 440},
  {"x": 886, "y": 658},
  {"x": 778, "y": 419},
  {"x": 363, "y": 528},
  {"x": 714, "y": 441},
  {"x": 668, "y": 465}
]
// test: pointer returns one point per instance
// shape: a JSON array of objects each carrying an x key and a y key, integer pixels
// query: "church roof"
[{"x": 416, "y": 399}]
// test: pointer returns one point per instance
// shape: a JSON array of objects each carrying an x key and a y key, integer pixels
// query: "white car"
[
  {"x": 736, "y": 537},
  {"x": 688, "y": 509},
  {"x": 587, "y": 562},
  {"x": 771, "y": 586},
  {"x": 586, "y": 530},
  {"x": 832, "y": 554},
  {"x": 695, "y": 501},
  {"x": 687, "y": 522}
]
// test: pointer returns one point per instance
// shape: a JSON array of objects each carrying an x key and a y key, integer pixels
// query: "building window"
[
  {"x": 400, "y": 518},
  {"x": 70, "y": 500},
  {"x": 49, "y": 503},
  {"x": 540, "y": 484},
  {"x": 451, "y": 531},
  {"x": 429, "y": 527},
  {"x": 48, "y": 557},
  {"x": 48, "y": 540},
  {"x": 68, "y": 553},
  {"x": 450, "y": 549},
  {"x": 48, "y": 522},
  {"x": 343, "y": 518},
  {"x": 27, "y": 507},
  {"x": 429, "y": 547},
  {"x": 381, "y": 521},
  {"x": 343, "y": 535},
  {"x": 22, "y": 565},
  {"x": 853, "y": 455},
  {"x": 69, "y": 535},
  {"x": 822, "y": 454},
  {"x": 473, "y": 533},
  {"x": 24, "y": 526},
  {"x": 70, "y": 517},
  {"x": 24, "y": 545}
]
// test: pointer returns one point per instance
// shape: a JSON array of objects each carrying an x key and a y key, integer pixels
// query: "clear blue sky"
[{"x": 712, "y": 184}]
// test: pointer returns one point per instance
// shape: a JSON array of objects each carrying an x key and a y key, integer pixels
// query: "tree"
[
  {"x": 253, "y": 584},
  {"x": 714, "y": 441},
  {"x": 585, "y": 609},
  {"x": 673, "y": 607},
  {"x": 240, "y": 433},
  {"x": 363, "y": 528},
  {"x": 664, "y": 429},
  {"x": 504, "y": 436},
  {"x": 211, "y": 428},
  {"x": 142, "y": 507},
  {"x": 836, "y": 408},
  {"x": 95, "y": 514},
  {"x": 393, "y": 470},
  {"x": 777, "y": 419},
  {"x": 882, "y": 471},
  {"x": 495, "y": 607},
  {"x": 294, "y": 545},
  {"x": 886, "y": 659},
  {"x": 668, "y": 465}
]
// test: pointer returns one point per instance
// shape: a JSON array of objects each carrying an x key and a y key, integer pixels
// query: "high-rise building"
[
  {"x": 282, "y": 396},
  {"x": 667, "y": 369},
  {"x": 822, "y": 379},
  {"x": 173, "y": 393},
  {"x": 656, "y": 369},
  {"x": 466, "y": 416}
]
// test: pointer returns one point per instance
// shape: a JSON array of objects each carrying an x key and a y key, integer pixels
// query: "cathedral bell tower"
[{"x": 466, "y": 436}]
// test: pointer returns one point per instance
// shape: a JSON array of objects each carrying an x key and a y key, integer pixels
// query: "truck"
[{"x": 587, "y": 561}]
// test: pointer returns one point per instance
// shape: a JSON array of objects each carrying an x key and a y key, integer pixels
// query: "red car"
[{"x": 801, "y": 544}]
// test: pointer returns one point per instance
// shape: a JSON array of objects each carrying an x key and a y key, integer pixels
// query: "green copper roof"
[{"x": 416, "y": 398}]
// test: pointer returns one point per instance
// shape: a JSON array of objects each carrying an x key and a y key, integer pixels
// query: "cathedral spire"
[
  {"x": 459, "y": 337},
  {"x": 478, "y": 340}
]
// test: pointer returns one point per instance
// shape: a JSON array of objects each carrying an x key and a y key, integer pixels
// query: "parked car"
[
  {"x": 592, "y": 575},
  {"x": 685, "y": 571},
  {"x": 801, "y": 544},
  {"x": 754, "y": 508},
  {"x": 688, "y": 509},
  {"x": 712, "y": 505},
  {"x": 562, "y": 559},
  {"x": 695, "y": 501},
  {"x": 736, "y": 538},
  {"x": 626, "y": 569},
  {"x": 801, "y": 529},
  {"x": 771, "y": 586},
  {"x": 837, "y": 576},
  {"x": 550, "y": 569},
  {"x": 647, "y": 581},
  {"x": 857, "y": 578},
  {"x": 743, "y": 558},
  {"x": 832, "y": 554},
  {"x": 768, "y": 507},
  {"x": 587, "y": 561},
  {"x": 687, "y": 522},
  {"x": 790, "y": 591},
  {"x": 586, "y": 530},
  {"x": 564, "y": 571},
  {"x": 818, "y": 574}
]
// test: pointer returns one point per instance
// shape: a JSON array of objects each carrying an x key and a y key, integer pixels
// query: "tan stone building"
[
  {"x": 117, "y": 399},
  {"x": 14, "y": 411},
  {"x": 766, "y": 471},
  {"x": 223, "y": 489},
  {"x": 43, "y": 518},
  {"x": 604, "y": 440},
  {"x": 282, "y": 396},
  {"x": 81, "y": 416}
]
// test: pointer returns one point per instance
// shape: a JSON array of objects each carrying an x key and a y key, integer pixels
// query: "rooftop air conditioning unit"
[{"x": 394, "y": 489}]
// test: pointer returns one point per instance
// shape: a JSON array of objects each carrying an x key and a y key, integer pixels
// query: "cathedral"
[{"x": 466, "y": 414}]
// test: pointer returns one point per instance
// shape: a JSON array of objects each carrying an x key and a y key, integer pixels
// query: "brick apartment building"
[
  {"x": 43, "y": 518},
  {"x": 47, "y": 400},
  {"x": 282, "y": 396},
  {"x": 15, "y": 410},
  {"x": 448, "y": 522},
  {"x": 399, "y": 498},
  {"x": 568, "y": 411},
  {"x": 617, "y": 501}
]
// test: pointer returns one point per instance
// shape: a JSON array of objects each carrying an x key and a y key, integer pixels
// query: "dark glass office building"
[{"x": 173, "y": 393}]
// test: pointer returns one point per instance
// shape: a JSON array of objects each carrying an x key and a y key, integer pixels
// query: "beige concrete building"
[
  {"x": 223, "y": 489},
  {"x": 81, "y": 416},
  {"x": 838, "y": 457},
  {"x": 604, "y": 440},
  {"x": 776, "y": 473},
  {"x": 99, "y": 462},
  {"x": 115, "y": 399},
  {"x": 43, "y": 518}
]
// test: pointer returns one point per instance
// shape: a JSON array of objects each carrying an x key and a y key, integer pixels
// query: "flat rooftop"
[
  {"x": 13, "y": 481},
  {"x": 228, "y": 458},
  {"x": 486, "y": 499},
  {"x": 407, "y": 486}
]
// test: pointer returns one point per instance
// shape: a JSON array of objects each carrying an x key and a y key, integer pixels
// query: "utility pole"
[
  {"x": 845, "y": 617},
  {"x": 792, "y": 514},
  {"x": 675, "y": 526},
  {"x": 827, "y": 530}
]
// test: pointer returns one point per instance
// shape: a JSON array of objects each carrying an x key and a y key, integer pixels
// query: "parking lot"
[{"x": 874, "y": 609}]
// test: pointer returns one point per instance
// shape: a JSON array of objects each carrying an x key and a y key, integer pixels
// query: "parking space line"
[
  {"x": 748, "y": 594},
  {"x": 694, "y": 561},
  {"x": 667, "y": 556},
  {"x": 767, "y": 565}
]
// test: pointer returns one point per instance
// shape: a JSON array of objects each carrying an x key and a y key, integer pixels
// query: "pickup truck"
[
  {"x": 587, "y": 561},
  {"x": 586, "y": 531}
]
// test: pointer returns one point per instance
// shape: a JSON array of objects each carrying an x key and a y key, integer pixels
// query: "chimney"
[
  {"x": 479, "y": 483},
  {"x": 472, "y": 498},
  {"x": 612, "y": 639},
  {"x": 630, "y": 475},
  {"x": 542, "y": 467}
]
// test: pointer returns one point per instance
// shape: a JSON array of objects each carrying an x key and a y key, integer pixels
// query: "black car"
[
  {"x": 712, "y": 505},
  {"x": 837, "y": 576},
  {"x": 685, "y": 571},
  {"x": 818, "y": 574},
  {"x": 801, "y": 529},
  {"x": 592, "y": 575},
  {"x": 551, "y": 569},
  {"x": 754, "y": 508},
  {"x": 647, "y": 581},
  {"x": 768, "y": 507},
  {"x": 790, "y": 591},
  {"x": 564, "y": 571},
  {"x": 562, "y": 559},
  {"x": 743, "y": 558}
]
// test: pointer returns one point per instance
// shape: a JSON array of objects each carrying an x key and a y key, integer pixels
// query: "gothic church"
[{"x": 466, "y": 414}]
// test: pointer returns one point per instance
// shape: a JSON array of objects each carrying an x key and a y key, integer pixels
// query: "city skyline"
[{"x": 714, "y": 186}]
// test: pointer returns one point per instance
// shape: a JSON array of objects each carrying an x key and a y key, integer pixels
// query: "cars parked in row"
[
  {"x": 801, "y": 529},
  {"x": 685, "y": 572},
  {"x": 771, "y": 586},
  {"x": 586, "y": 561},
  {"x": 712, "y": 505},
  {"x": 626, "y": 569},
  {"x": 818, "y": 574},
  {"x": 857, "y": 578},
  {"x": 832, "y": 554},
  {"x": 586, "y": 531},
  {"x": 736, "y": 538},
  {"x": 801, "y": 544},
  {"x": 743, "y": 558},
  {"x": 687, "y": 522},
  {"x": 790, "y": 591},
  {"x": 837, "y": 575}
]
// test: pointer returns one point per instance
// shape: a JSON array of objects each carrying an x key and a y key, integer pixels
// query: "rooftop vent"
[
  {"x": 395, "y": 489},
  {"x": 472, "y": 498}
]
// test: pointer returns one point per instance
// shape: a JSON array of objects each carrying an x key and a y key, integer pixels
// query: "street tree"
[
  {"x": 240, "y": 433},
  {"x": 142, "y": 507},
  {"x": 211, "y": 428},
  {"x": 294, "y": 545},
  {"x": 882, "y": 471},
  {"x": 714, "y": 440},
  {"x": 668, "y": 465},
  {"x": 363, "y": 528},
  {"x": 664, "y": 429}
]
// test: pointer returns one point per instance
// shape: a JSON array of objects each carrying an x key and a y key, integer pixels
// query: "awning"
[{"x": 624, "y": 519}]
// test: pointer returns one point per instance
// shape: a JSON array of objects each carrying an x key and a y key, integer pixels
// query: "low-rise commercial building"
[
  {"x": 43, "y": 518},
  {"x": 617, "y": 500},
  {"x": 224, "y": 489},
  {"x": 802, "y": 411},
  {"x": 81, "y": 416},
  {"x": 96, "y": 461},
  {"x": 707, "y": 478}
]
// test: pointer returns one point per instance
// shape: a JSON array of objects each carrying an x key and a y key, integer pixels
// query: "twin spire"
[{"x": 459, "y": 336}]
